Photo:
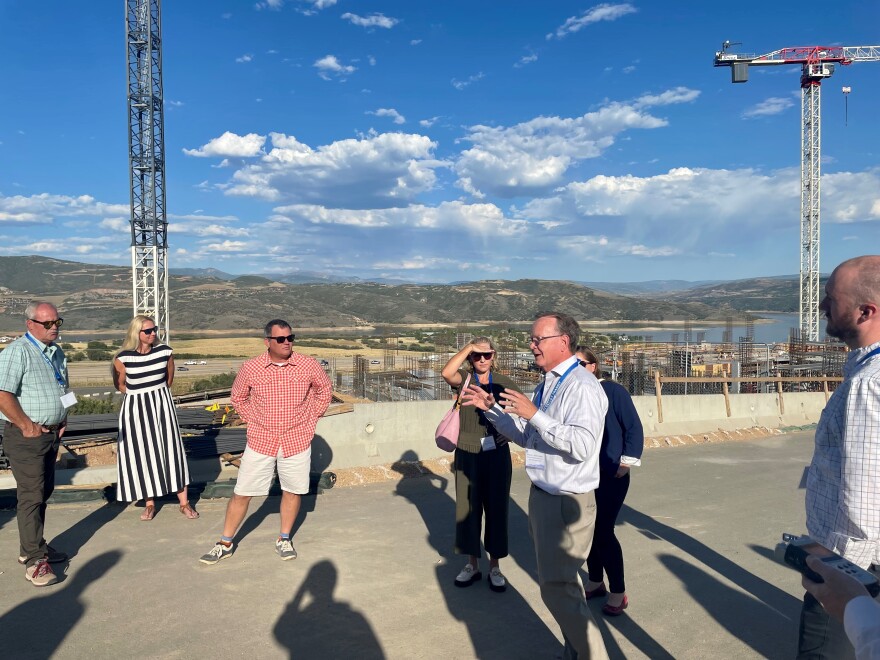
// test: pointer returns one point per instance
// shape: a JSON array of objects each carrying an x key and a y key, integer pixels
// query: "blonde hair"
[
  {"x": 483, "y": 340},
  {"x": 132, "y": 335}
]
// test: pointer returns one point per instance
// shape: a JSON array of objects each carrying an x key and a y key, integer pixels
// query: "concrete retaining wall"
[{"x": 381, "y": 433}]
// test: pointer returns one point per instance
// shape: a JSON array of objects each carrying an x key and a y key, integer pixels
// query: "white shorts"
[{"x": 256, "y": 471}]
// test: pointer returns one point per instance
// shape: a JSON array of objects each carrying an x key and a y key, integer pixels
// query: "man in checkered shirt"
[
  {"x": 281, "y": 395},
  {"x": 843, "y": 482}
]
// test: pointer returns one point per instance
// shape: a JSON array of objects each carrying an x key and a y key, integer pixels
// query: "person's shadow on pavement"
[
  {"x": 60, "y": 606},
  {"x": 314, "y": 625}
]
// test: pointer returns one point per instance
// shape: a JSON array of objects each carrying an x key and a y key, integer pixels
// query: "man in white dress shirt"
[
  {"x": 561, "y": 430},
  {"x": 843, "y": 483}
]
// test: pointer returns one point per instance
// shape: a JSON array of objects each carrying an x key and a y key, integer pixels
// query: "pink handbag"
[{"x": 446, "y": 435}]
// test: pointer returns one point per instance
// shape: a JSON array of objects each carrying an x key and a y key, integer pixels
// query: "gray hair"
[
  {"x": 565, "y": 325},
  {"x": 31, "y": 309}
]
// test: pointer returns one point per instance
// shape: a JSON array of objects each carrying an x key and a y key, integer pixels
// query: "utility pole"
[
  {"x": 817, "y": 63},
  {"x": 146, "y": 160}
]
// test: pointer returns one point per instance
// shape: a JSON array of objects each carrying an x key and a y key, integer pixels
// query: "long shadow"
[
  {"x": 314, "y": 625},
  {"x": 322, "y": 456},
  {"x": 495, "y": 622},
  {"x": 629, "y": 630},
  {"x": 783, "y": 606},
  {"x": 73, "y": 539},
  {"x": 59, "y": 607},
  {"x": 735, "y": 611}
]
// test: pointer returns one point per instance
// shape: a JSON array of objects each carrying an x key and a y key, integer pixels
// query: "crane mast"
[
  {"x": 817, "y": 63},
  {"x": 146, "y": 159}
]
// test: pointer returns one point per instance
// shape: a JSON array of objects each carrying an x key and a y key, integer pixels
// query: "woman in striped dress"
[{"x": 149, "y": 460}]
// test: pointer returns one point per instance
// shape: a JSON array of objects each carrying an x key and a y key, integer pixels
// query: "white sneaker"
[
  {"x": 496, "y": 580},
  {"x": 285, "y": 549},
  {"x": 469, "y": 574}
]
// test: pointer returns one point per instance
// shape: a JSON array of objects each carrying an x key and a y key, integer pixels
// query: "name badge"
[
  {"x": 487, "y": 443},
  {"x": 535, "y": 459},
  {"x": 68, "y": 400}
]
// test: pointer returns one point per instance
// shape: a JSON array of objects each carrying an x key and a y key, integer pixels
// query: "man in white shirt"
[
  {"x": 561, "y": 430},
  {"x": 843, "y": 482}
]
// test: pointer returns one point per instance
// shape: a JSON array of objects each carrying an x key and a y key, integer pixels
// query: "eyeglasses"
[
  {"x": 149, "y": 331},
  {"x": 483, "y": 356},
  {"x": 538, "y": 340},
  {"x": 283, "y": 339},
  {"x": 584, "y": 363},
  {"x": 48, "y": 324}
]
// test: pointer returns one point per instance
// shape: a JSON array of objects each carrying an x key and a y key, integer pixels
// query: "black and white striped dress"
[{"x": 150, "y": 461}]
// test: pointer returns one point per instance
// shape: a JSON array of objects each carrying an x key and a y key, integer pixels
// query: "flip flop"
[
  {"x": 188, "y": 511},
  {"x": 149, "y": 512}
]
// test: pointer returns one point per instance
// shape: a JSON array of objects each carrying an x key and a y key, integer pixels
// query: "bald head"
[{"x": 852, "y": 301}]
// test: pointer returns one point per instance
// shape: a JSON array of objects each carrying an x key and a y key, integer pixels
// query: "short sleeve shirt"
[{"x": 30, "y": 378}]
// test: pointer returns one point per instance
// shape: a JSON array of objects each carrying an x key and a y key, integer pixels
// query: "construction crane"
[
  {"x": 146, "y": 160},
  {"x": 817, "y": 63}
]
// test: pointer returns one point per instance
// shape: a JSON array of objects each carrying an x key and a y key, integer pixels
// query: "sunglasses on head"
[
  {"x": 482, "y": 356},
  {"x": 149, "y": 331},
  {"x": 283, "y": 339},
  {"x": 48, "y": 324}
]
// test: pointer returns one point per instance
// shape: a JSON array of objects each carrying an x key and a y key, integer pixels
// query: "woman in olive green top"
[{"x": 482, "y": 468}]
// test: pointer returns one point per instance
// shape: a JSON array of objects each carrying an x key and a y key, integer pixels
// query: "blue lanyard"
[
  {"x": 867, "y": 357},
  {"x": 540, "y": 395},
  {"x": 58, "y": 375}
]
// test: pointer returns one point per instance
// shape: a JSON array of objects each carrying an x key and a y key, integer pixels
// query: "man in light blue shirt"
[
  {"x": 561, "y": 431},
  {"x": 33, "y": 403}
]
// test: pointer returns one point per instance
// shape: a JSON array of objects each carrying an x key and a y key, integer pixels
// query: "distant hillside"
[
  {"x": 99, "y": 297},
  {"x": 765, "y": 294},
  {"x": 649, "y": 287}
]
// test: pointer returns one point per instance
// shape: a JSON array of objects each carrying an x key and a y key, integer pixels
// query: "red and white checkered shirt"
[{"x": 281, "y": 404}]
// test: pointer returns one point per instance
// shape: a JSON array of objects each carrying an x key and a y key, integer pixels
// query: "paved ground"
[{"x": 375, "y": 571}]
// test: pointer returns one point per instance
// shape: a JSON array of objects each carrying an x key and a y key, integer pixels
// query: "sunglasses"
[
  {"x": 483, "y": 356},
  {"x": 149, "y": 331},
  {"x": 584, "y": 363},
  {"x": 283, "y": 339},
  {"x": 48, "y": 324}
]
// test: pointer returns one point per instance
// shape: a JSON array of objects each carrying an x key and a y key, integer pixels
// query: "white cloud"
[
  {"x": 464, "y": 84},
  {"x": 44, "y": 208},
  {"x": 269, "y": 4},
  {"x": 374, "y": 20},
  {"x": 427, "y": 123},
  {"x": 768, "y": 107},
  {"x": 526, "y": 59},
  {"x": 226, "y": 246},
  {"x": 415, "y": 42},
  {"x": 371, "y": 60},
  {"x": 330, "y": 65},
  {"x": 231, "y": 145},
  {"x": 389, "y": 112},
  {"x": 383, "y": 170},
  {"x": 419, "y": 262},
  {"x": 247, "y": 57},
  {"x": 602, "y": 12},
  {"x": 532, "y": 157}
]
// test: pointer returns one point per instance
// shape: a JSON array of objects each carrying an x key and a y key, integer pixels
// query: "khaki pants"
[{"x": 561, "y": 527}]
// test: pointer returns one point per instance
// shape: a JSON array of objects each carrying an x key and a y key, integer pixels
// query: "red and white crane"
[{"x": 817, "y": 63}]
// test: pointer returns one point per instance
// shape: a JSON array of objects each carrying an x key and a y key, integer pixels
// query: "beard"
[{"x": 842, "y": 332}]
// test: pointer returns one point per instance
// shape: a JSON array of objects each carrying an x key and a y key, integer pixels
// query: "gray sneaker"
[
  {"x": 218, "y": 552},
  {"x": 40, "y": 574},
  {"x": 285, "y": 549},
  {"x": 53, "y": 557}
]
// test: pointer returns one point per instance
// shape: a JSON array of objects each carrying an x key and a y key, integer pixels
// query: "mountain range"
[{"x": 98, "y": 297}]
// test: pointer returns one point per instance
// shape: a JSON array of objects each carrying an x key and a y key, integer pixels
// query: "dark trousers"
[
  {"x": 820, "y": 637},
  {"x": 33, "y": 465},
  {"x": 605, "y": 554},
  {"x": 482, "y": 485}
]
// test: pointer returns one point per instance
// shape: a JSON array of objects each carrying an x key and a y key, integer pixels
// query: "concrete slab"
[{"x": 375, "y": 571}]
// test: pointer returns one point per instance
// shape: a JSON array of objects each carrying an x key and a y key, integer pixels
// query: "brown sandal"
[
  {"x": 188, "y": 511},
  {"x": 149, "y": 512}
]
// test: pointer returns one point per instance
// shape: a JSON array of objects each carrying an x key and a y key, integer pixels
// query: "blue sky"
[{"x": 441, "y": 141}]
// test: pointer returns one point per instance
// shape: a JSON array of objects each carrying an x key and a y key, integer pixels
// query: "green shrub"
[
  {"x": 215, "y": 382},
  {"x": 96, "y": 406}
]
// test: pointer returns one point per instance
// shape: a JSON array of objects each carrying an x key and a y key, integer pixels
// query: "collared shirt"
[
  {"x": 568, "y": 433},
  {"x": 27, "y": 376},
  {"x": 843, "y": 482},
  {"x": 281, "y": 403},
  {"x": 861, "y": 620}
]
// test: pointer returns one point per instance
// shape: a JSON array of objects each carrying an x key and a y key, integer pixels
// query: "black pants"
[
  {"x": 820, "y": 637},
  {"x": 605, "y": 554},
  {"x": 482, "y": 485},
  {"x": 33, "y": 465}
]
